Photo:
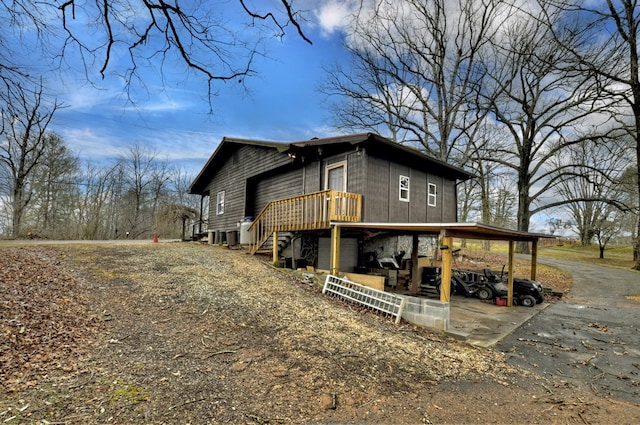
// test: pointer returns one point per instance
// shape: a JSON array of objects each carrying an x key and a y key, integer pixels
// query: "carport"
[{"x": 446, "y": 232}]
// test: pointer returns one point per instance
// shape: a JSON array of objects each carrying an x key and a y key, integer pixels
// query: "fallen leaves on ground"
[
  {"x": 43, "y": 324},
  {"x": 185, "y": 333}
]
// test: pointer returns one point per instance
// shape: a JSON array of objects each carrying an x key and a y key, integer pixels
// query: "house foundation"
[{"x": 426, "y": 312}]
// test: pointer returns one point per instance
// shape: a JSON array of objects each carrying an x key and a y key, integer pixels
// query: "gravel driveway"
[{"x": 592, "y": 336}]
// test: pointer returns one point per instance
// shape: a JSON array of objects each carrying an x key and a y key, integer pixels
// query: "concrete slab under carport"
[
  {"x": 483, "y": 323},
  {"x": 480, "y": 323}
]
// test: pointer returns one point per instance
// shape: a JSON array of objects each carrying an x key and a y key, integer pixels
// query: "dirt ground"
[{"x": 185, "y": 333}]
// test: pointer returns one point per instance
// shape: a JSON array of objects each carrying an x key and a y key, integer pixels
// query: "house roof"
[{"x": 316, "y": 147}]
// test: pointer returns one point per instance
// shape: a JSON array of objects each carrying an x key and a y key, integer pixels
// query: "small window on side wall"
[
  {"x": 404, "y": 188},
  {"x": 432, "y": 195},
  {"x": 220, "y": 203}
]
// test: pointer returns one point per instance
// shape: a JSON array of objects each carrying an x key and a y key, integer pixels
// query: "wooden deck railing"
[{"x": 311, "y": 211}]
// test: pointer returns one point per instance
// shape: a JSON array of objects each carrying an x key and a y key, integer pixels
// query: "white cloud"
[
  {"x": 100, "y": 145},
  {"x": 335, "y": 15},
  {"x": 85, "y": 97},
  {"x": 160, "y": 105},
  {"x": 89, "y": 144}
]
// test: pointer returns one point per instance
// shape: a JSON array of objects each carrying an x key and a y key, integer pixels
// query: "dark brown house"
[
  {"x": 304, "y": 186},
  {"x": 324, "y": 202}
]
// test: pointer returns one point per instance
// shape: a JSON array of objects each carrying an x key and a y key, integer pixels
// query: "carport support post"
[
  {"x": 335, "y": 250},
  {"x": 415, "y": 269},
  {"x": 447, "y": 259},
  {"x": 534, "y": 258},
  {"x": 510, "y": 271}
]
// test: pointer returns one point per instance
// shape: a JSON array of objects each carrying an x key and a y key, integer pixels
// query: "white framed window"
[
  {"x": 335, "y": 177},
  {"x": 432, "y": 196},
  {"x": 404, "y": 188},
  {"x": 220, "y": 203}
]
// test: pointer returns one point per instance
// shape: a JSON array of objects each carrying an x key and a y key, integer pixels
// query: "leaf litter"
[{"x": 186, "y": 333}]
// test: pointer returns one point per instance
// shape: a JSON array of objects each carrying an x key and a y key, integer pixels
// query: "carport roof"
[{"x": 455, "y": 230}]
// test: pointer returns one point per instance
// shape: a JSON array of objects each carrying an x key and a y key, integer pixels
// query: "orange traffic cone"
[{"x": 155, "y": 238}]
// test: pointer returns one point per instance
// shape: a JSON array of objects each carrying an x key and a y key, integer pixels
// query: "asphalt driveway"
[{"x": 590, "y": 337}]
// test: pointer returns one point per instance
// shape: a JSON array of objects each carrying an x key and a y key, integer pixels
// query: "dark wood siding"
[
  {"x": 418, "y": 196},
  {"x": 312, "y": 177},
  {"x": 382, "y": 203},
  {"x": 232, "y": 177},
  {"x": 449, "y": 201},
  {"x": 279, "y": 186},
  {"x": 356, "y": 172},
  {"x": 376, "y": 194}
]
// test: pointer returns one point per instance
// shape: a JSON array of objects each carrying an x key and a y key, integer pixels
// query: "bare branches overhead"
[
  {"x": 123, "y": 37},
  {"x": 414, "y": 67}
]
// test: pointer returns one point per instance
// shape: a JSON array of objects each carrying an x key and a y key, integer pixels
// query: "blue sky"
[{"x": 281, "y": 102}]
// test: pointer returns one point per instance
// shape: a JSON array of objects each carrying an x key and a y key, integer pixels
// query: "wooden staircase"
[
  {"x": 284, "y": 240},
  {"x": 312, "y": 211}
]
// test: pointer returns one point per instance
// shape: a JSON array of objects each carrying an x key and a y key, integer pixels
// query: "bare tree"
[
  {"x": 493, "y": 191},
  {"x": 608, "y": 33},
  {"x": 93, "y": 207},
  {"x": 368, "y": 100},
  {"x": 138, "y": 168},
  {"x": 56, "y": 191},
  {"x": 180, "y": 181},
  {"x": 25, "y": 118},
  {"x": 184, "y": 206},
  {"x": 125, "y": 36},
  {"x": 593, "y": 185},
  {"x": 628, "y": 195},
  {"x": 607, "y": 228},
  {"x": 490, "y": 194},
  {"x": 543, "y": 102},
  {"x": 117, "y": 215},
  {"x": 414, "y": 72}
]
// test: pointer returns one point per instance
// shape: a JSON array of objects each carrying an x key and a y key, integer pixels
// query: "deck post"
[
  {"x": 200, "y": 219},
  {"x": 275, "y": 247},
  {"x": 332, "y": 205},
  {"x": 447, "y": 259},
  {"x": 510, "y": 271},
  {"x": 335, "y": 250}
]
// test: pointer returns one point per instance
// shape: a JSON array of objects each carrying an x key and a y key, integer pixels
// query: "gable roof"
[{"x": 316, "y": 147}]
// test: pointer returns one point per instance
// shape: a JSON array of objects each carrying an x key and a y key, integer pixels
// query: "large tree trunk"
[
  {"x": 17, "y": 214},
  {"x": 524, "y": 213},
  {"x": 20, "y": 201},
  {"x": 634, "y": 82},
  {"x": 635, "y": 107},
  {"x": 636, "y": 246}
]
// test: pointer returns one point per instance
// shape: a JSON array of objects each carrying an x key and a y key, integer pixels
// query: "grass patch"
[
  {"x": 129, "y": 393},
  {"x": 616, "y": 256}
]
